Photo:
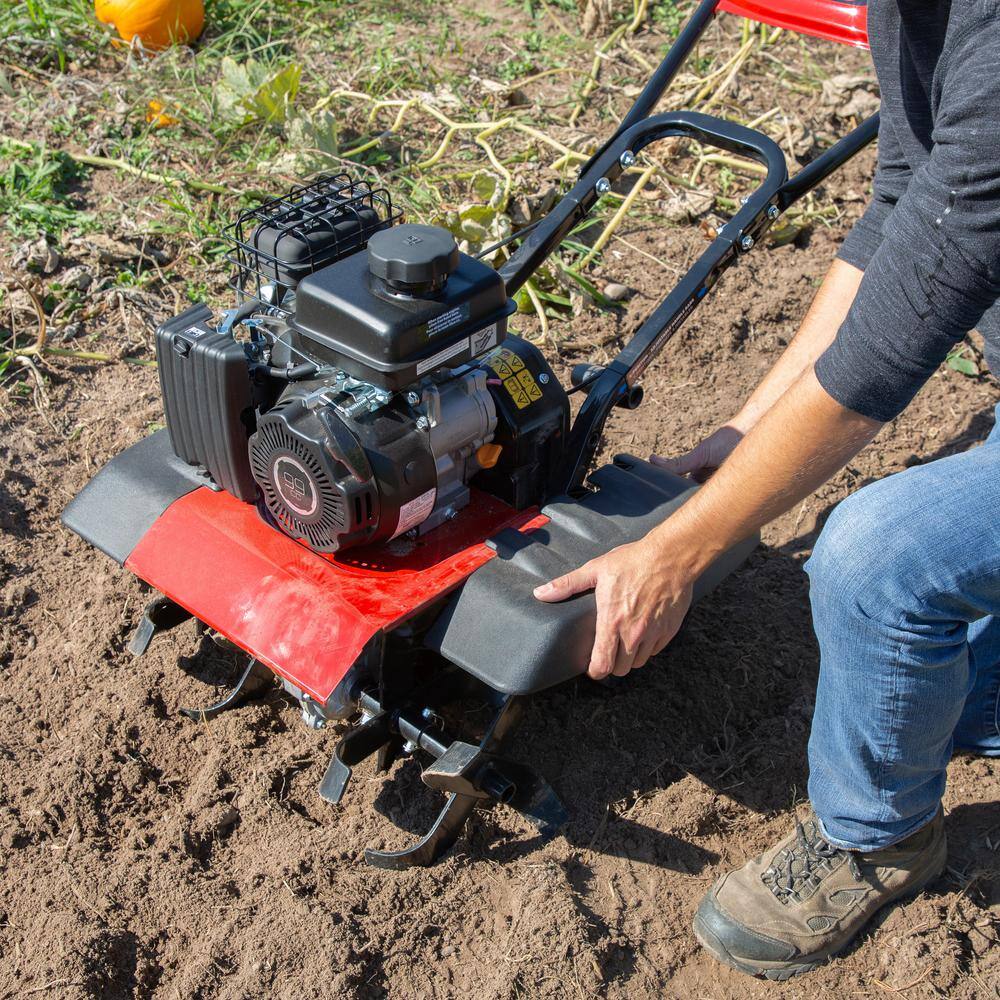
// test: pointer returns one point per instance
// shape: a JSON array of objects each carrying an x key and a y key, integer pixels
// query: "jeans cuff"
[{"x": 881, "y": 843}]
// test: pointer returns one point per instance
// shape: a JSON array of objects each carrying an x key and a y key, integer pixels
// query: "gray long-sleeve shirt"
[{"x": 929, "y": 242}]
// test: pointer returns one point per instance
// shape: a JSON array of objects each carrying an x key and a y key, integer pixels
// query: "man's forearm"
[
  {"x": 827, "y": 312},
  {"x": 802, "y": 440}
]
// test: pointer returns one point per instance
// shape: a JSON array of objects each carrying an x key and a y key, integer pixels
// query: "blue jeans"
[{"x": 905, "y": 592}]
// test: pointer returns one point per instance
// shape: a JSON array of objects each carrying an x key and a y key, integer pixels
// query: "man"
[{"x": 906, "y": 607}]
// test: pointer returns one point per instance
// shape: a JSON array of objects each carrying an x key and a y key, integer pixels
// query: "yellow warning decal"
[
  {"x": 505, "y": 363},
  {"x": 529, "y": 385},
  {"x": 517, "y": 380}
]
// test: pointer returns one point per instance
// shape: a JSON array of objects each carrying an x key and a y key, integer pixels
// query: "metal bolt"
[
  {"x": 423, "y": 423},
  {"x": 543, "y": 378},
  {"x": 773, "y": 212},
  {"x": 450, "y": 514},
  {"x": 409, "y": 746},
  {"x": 412, "y": 398},
  {"x": 627, "y": 159},
  {"x": 746, "y": 243},
  {"x": 745, "y": 199},
  {"x": 603, "y": 186}
]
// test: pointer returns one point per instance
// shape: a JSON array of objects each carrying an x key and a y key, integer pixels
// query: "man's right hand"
[{"x": 704, "y": 458}]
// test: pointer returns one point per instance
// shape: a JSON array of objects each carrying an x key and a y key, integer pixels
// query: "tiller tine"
[
  {"x": 254, "y": 680},
  {"x": 466, "y": 773},
  {"x": 161, "y": 615},
  {"x": 434, "y": 843},
  {"x": 469, "y": 771},
  {"x": 373, "y": 735}
]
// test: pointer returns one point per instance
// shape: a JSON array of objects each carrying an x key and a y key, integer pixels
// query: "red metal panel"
[
  {"x": 831, "y": 19},
  {"x": 307, "y": 616}
]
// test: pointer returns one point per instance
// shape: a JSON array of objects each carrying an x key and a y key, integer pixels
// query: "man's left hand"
[{"x": 641, "y": 602}]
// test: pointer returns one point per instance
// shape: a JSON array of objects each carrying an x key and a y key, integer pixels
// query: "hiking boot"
[{"x": 804, "y": 900}]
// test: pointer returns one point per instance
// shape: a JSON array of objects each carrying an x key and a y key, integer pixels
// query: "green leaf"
[
  {"x": 251, "y": 90},
  {"x": 963, "y": 365},
  {"x": 590, "y": 288}
]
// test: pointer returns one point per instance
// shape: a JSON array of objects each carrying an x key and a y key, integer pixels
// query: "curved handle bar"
[{"x": 577, "y": 203}]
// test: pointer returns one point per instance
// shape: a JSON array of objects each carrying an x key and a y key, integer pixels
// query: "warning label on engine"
[
  {"x": 517, "y": 379},
  {"x": 415, "y": 512},
  {"x": 438, "y": 324},
  {"x": 484, "y": 339}
]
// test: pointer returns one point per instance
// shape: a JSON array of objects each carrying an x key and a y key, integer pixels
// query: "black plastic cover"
[
  {"x": 119, "y": 505},
  {"x": 495, "y": 628},
  {"x": 347, "y": 317},
  {"x": 207, "y": 400},
  {"x": 532, "y": 424}
]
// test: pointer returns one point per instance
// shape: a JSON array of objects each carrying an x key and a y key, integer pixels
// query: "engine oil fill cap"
[{"x": 412, "y": 258}]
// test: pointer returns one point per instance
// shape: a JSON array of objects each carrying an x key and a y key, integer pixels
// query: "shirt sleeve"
[
  {"x": 937, "y": 268},
  {"x": 892, "y": 177}
]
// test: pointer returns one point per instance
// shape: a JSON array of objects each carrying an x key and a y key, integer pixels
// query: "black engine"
[{"x": 364, "y": 381}]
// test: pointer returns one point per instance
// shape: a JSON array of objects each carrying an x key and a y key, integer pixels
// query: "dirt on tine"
[{"x": 143, "y": 855}]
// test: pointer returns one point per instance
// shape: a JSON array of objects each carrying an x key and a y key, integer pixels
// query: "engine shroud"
[{"x": 377, "y": 384}]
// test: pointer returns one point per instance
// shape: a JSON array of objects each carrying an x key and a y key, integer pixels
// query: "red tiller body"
[{"x": 305, "y": 615}]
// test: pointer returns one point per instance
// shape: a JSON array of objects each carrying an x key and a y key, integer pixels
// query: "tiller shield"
[{"x": 364, "y": 476}]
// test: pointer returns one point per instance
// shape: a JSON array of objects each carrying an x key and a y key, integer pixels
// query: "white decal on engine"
[
  {"x": 415, "y": 512},
  {"x": 438, "y": 324},
  {"x": 438, "y": 359},
  {"x": 484, "y": 339}
]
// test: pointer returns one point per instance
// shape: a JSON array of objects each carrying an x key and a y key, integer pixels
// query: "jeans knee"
[{"x": 860, "y": 559}]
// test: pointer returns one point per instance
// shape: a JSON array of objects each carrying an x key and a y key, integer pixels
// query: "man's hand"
[
  {"x": 702, "y": 460},
  {"x": 641, "y": 602}
]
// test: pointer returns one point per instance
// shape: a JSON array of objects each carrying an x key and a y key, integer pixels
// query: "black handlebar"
[
  {"x": 757, "y": 213},
  {"x": 609, "y": 165}
]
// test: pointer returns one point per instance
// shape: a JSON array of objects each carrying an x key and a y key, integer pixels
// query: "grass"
[{"x": 49, "y": 33}]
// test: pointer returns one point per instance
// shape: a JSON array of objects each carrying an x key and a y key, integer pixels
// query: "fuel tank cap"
[{"x": 412, "y": 258}]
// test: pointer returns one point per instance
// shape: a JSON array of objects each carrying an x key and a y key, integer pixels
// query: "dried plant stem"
[
  {"x": 617, "y": 218},
  {"x": 123, "y": 166}
]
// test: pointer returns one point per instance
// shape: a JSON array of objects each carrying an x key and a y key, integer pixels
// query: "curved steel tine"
[
  {"x": 252, "y": 681},
  {"x": 442, "y": 835}
]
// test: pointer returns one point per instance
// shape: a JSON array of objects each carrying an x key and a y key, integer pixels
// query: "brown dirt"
[{"x": 143, "y": 855}]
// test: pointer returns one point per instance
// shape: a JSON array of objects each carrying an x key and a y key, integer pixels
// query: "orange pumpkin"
[{"x": 156, "y": 23}]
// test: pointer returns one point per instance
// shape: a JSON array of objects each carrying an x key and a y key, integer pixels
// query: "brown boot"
[{"x": 804, "y": 900}]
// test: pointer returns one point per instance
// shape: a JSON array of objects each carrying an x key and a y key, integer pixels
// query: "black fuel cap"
[{"x": 412, "y": 258}]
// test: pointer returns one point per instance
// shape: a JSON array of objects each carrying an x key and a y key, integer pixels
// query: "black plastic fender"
[{"x": 494, "y": 627}]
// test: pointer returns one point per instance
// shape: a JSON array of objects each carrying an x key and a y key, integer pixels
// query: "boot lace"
[{"x": 797, "y": 871}]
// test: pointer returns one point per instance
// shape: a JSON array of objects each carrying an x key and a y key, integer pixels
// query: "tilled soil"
[{"x": 143, "y": 855}]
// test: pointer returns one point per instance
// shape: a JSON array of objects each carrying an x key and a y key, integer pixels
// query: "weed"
[
  {"x": 50, "y": 32},
  {"x": 34, "y": 196},
  {"x": 669, "y": 16},
  {"x": 961, "y": 359}
]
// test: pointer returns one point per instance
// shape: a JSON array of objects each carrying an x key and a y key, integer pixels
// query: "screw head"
[
  {"x": 543, "y": 378},
  {"x": 412, "y": 398},
  {"x": 773, "y": 212},
  {"x": 603, "y": 186},
  {"x": 745, "y": 199},
  {"x": 746, "y": 243},
  {"x": 423, "y": 423},
  {"x": 627, "y": 159}
]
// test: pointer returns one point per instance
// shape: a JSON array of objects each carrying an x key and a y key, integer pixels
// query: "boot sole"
[{"x": 780, "y": 971}]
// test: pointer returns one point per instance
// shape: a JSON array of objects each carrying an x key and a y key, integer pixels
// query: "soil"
[{"x": 143, "y": 855}]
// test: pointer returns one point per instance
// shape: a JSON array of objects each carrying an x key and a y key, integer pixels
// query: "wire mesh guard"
[{"x": 278, "y": 243}]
